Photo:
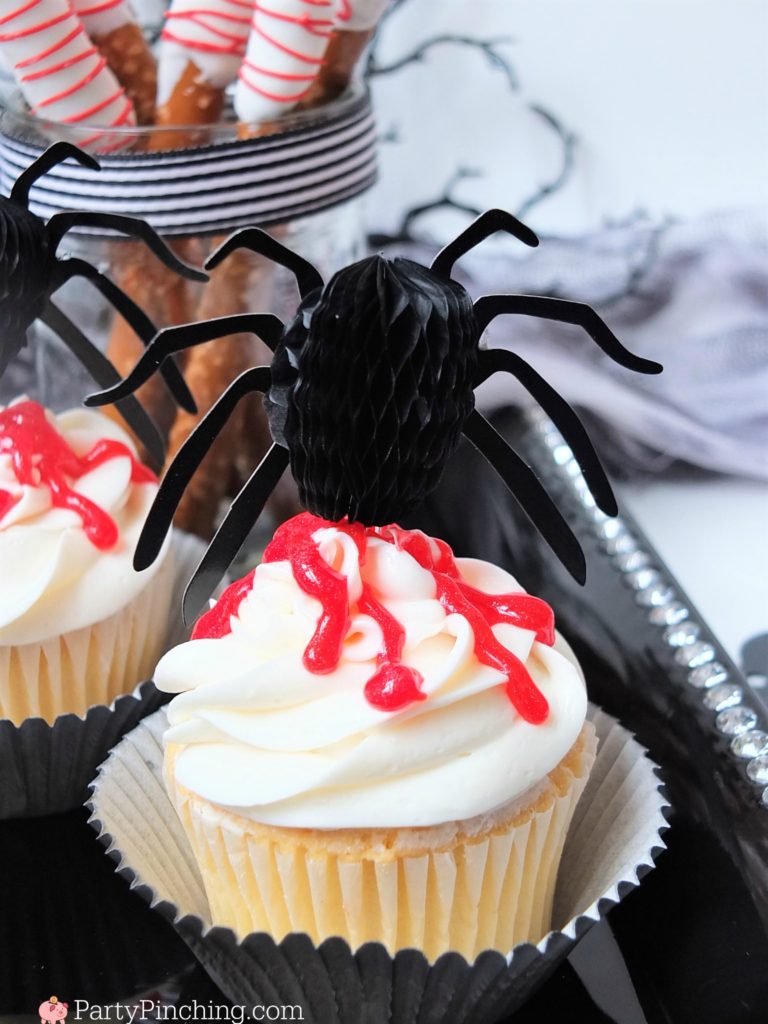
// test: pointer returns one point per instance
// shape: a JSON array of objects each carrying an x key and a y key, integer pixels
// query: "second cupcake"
[{"x": 78, "y": 626}]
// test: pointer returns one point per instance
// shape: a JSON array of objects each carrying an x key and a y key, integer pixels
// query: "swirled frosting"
[
  {"x": 73, "y": 500},
  {"x": 270, "y": 725}
]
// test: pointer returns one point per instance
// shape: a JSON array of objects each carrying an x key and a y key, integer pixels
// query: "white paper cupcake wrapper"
[
  {"x": 45, "y": 767},
  {"x": 614, "y": 837}
]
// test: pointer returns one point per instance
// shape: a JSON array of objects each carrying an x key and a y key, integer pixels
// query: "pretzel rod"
[
  {"x": 286, "y": 46},
  {"x": 234, "y": 286},
  {"x": 61, "y": 74},
  {"x": 302, "y": 53},
  {"x": 294, "y": 57},
  {"x": 354, "y": 31},
  {"x": 243, "y": 282},
  {"x": 201, "y": 47},
  {"x": 115, "y": 32},
  {"x": 341, "y": 58},
  {"x": 164, "y": 297}
]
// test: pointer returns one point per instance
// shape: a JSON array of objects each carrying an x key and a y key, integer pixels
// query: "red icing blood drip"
[
  {"x": 215, "y": 623},
  {"x": 394, "y": 685},
  {"x": 293, "y": 543},
  {"x": 7, "y": 501},
  {"x": 483, "y": 611},
  {"x": 40, "y": 457}
]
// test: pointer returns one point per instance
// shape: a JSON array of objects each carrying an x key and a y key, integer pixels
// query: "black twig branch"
[
  {"x": 639, "y": 265},
  {"x": 389, "y": 135},
  {"x": 445, "y": 201},
  {"x": 639, "y": 268},
  {"x": 488, "y": 47},
  {"x": 568, "y": 146}
]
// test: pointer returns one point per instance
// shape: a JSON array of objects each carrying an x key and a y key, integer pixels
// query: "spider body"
[
  {"x": 26, "y": 265},
  {"x": 370, "y": 389},
  {"x": 371, "y": 443},
  {"x": 31, "y": 271}
]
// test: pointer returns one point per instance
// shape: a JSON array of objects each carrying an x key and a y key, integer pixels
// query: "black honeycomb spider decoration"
[
  {"x": 370, "y": 389},
  {"x": 30, "y": 273}
]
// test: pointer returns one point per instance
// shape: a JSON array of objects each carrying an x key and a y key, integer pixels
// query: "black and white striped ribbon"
[{"x": 264, "y": 180}]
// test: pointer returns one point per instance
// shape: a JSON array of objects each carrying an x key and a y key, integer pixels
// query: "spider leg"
[
  {"x": 231, "y": 535},
  {"x": 483, "y": 227},
  {"x": 492, "y": 360},
  {"x": 533, "y": 499},
  {"x": 188, "y": 459},
  {"x": 307, "y": 277},
  {"x": 60, "y": 223},
  {"x": 134, "y": 315},
  {"x": 54, "y": 155},
  {"x": 104, "y": 373},
  {"x": 174, "y": 339},
  {"x": 488, "y": 307}
]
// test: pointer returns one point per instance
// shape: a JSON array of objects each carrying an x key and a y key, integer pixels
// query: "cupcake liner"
[
  {"x": 71, "y": 673},
  {"x": 68, "y": 925},
  {"x": 45, "y": 767},
  {"x": 259, "y": 878},
  {"x": 614, "y": 836}
]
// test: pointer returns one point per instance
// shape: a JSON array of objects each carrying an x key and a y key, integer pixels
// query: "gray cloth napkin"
[{"x": 692, "y": 295}]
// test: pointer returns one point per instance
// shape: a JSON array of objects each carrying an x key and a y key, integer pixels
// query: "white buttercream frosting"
[
  {"x": 53, "y": 579},
  {"x": 254, "y": 731}
]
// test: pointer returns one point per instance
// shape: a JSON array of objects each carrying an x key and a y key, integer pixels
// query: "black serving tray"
[{"x": 689, "y": 946}]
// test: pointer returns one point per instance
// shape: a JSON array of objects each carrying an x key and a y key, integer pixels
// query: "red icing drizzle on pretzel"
[
  {"x": 41, "y": 457},
  {"x": 98, "y": 8},
  {"x": 72, "y": 31},
  {"x": 209, "y": 19},
  {"x": 394, "y": 685},
  {"x": 313, "y": 26}
]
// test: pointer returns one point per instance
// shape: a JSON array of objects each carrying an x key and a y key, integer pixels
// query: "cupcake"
[
  {"x": 375, "y": 740},
  {"x": 78, "y": 626}
]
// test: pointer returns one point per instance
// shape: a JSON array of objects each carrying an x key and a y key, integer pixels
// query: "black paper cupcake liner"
[
  {"x": 69, "y": 926},
  {"x": 45, "y": 768},
  {"x": 614, "y": 837}
]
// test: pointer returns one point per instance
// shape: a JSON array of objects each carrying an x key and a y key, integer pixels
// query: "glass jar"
[{"x": 302, "y": 178}]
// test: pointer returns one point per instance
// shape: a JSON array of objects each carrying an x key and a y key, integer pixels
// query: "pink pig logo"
[{"x": 52, "y": 1011}]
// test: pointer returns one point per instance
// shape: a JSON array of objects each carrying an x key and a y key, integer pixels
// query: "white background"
[{"x": 668, "y": 99}]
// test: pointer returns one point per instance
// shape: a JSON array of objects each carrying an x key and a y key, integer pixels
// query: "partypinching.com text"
[{"x": 148, "y": 1010}]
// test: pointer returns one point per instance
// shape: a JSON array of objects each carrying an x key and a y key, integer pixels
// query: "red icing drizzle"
[
  {"x": 72, "y": 30},
  {"x": 230, "y": 43},
  {"x": 214, "y": 624},
  {"x": 40, "y": 457},
  {"x": 394, "y": 685},
  {"x": 99, "y": 8},
  {"x": 313, "y": 26},
  {"x": 7, "y": 501},
  {"x": 293, "y": 543}
]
